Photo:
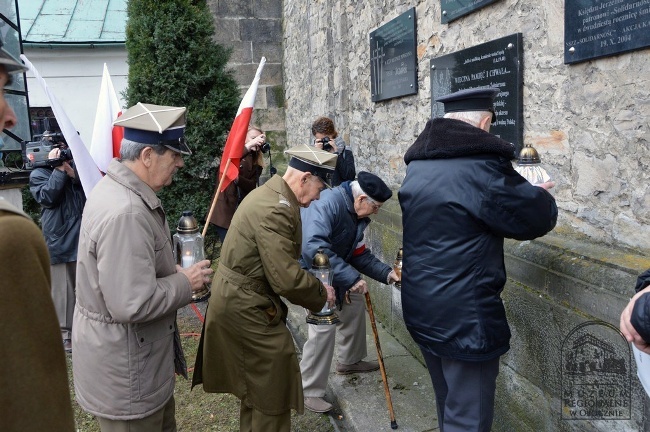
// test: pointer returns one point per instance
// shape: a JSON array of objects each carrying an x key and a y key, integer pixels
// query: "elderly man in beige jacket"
[{"x": 128, "y": 285}]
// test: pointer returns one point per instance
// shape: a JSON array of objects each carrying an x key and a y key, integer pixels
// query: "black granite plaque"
[
  {"x": 498, "y": 63},
  {"x": 453, "y": 9},
  {"x": 597, "y": 28},
  {"x": 393, "y": 58}
]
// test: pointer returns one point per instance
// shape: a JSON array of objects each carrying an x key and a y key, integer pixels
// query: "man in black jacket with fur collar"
[{"x": 461, "y": 197}]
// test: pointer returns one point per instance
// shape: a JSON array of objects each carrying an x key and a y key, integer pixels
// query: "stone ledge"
[{"x": 595, "y": 279}]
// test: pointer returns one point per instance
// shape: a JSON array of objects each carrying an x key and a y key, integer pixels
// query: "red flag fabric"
[
  {"x": 106, "y": 139},
  {"x": 237, "y": 136}
]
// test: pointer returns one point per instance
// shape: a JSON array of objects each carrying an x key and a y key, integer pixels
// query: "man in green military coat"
[{"x": 246, "y": 348}]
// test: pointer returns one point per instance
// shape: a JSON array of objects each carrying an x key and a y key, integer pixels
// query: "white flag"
[
  {"x": 106, "y": 140},
  {"x": 89, "y": 174}
]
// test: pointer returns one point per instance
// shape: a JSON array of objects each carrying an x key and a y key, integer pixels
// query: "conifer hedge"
[{"x": 174, "y": 61}]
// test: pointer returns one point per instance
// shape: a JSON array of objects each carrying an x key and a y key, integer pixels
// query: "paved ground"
[{"x": 359, "y": 399}]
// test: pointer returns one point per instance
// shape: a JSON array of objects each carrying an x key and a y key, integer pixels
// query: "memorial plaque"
[
  {"x": 454, "y": 9},
  {"x": 598, "y": 28},
  {"x": 498, "y": 63},
  {"x": 393, "y": 58}
]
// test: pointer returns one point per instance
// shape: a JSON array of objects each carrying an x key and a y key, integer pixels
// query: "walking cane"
[{"x": 380, "y": 357}]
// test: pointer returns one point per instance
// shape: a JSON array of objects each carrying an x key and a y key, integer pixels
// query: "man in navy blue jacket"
[
  {"x": 461, "y": 197},
  {"x": 336, "y": 223},
  {"x": 62, "y": 199}
]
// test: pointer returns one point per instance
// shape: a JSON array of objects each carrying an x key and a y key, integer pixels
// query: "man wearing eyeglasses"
[{"x": 336, "y": 223}]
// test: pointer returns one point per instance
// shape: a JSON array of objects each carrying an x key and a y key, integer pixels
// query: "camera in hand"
[
  {"x": 265, "y": 147},
  {"x": 326, "y": 143}
]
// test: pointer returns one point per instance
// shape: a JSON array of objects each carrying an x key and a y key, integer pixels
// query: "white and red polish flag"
[
  {"x": 89, "y": 174},
  {"x": 237, "y": 137},
  {"x": 106, "y": 140}
]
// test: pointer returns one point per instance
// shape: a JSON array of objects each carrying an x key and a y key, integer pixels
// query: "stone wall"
[
  {"x": 588, "y": 121},
  {"x": 253, "y": 29}
]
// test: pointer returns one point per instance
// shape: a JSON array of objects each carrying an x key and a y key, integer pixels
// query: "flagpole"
[{"x": 216, "y": 196}]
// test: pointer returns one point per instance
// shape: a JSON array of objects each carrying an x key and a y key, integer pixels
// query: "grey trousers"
[
  {"x": 464, "y": 392},
  {"x": 64, "y": 276},
  {"x": 163, "y": 420},
  {"x": 318, "y": 352}
]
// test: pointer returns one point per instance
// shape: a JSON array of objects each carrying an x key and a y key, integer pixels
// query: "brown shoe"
[
  {"x": 358, "y": 367},
  {"x": 67, "y": 345},
  {"x": 317, "y": 405}
]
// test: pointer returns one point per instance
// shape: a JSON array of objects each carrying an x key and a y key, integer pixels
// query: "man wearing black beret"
[
  {"x": 461, "y": 197},
  {"x": 336, "y": 224}
]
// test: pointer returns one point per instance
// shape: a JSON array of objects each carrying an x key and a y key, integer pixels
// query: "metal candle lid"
[
  {"x": 528, "y": 156},
  {"x": 321, "y": 260},
  {"x": 187, "y": 224}
]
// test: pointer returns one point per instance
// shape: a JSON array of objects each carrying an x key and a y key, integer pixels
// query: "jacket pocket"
[{"x": 155, "y": 355}]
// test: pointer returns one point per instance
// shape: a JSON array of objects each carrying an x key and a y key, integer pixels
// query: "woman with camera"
[
  {"x": 250, "y": 169},
  {"x": 328, "y": 139}
]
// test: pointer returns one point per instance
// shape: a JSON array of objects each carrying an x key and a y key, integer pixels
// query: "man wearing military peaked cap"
[
  {"x": 8, "y": 62},
  {"x": 156, "y": 125},
  {"x": 245, "y": 324},
  {"x": 30, "y": 328},
  {"x": 128, "y": 284},
  {"x": 310, "y": 159},
  {"x": 460, "y": 199},
  {"x": 476, "y": 99}
]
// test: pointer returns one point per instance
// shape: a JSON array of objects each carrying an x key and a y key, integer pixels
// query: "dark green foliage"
[
  {"x": 173, "y": 61},
  {"x": 30, "y": 206}
]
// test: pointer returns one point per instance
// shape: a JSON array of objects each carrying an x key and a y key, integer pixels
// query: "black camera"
[
  {"x": 326, "y": 143},
  {"x": 64, "y": 156},
  {"x": 265, "y": 147}
]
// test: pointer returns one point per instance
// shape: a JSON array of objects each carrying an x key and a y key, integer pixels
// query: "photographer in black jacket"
[
  {"x": 61, "y": 196},
  {"x": 327, "y": 138}
]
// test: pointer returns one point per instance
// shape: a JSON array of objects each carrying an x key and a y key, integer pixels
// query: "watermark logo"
[{"x": 596, "y": 373}]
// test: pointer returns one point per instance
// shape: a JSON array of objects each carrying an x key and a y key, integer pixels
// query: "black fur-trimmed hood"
[{"x": 449, "y": 138}]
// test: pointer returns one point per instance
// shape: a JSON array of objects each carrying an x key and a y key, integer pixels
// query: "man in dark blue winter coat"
[
  {"x": 461, "y": 197},
  {"x": 336, "y": 223},
  {"x": 61, "y": 196}
]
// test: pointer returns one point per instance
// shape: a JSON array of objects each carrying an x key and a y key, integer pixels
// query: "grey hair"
[
  {"x": 130, "y": 150},
  {"x": 472, "y": 117}
]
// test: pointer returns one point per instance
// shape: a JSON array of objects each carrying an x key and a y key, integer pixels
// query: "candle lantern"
[
  {"x": 397, "y": 266},
  {"x": 320, "y": 267},
  {"x": 528, "y": 166},
  {"x": 188, "y": 249}
]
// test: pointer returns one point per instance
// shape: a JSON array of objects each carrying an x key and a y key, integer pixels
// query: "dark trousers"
[
  {"x": 221, "y": 232},
  {"x": 464, "y": 392},
  {"x": 252, "y": 420},
  {"x": 163, "y": 420}
]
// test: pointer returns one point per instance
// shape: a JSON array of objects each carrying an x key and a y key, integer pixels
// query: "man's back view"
[{"x": 461, "y": 197}]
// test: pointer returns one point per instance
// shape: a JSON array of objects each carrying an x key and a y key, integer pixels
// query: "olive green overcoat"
[
  {"x": 246, "y": 348},
  {"x": 34, "y": 393}
]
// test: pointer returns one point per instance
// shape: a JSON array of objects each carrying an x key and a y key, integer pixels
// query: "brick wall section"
[{"x": 253, "y": 29}]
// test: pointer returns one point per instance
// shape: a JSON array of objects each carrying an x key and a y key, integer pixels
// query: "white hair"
[
  {"x": 356, "y": 191},
  {"x": 472, "y": 117}
]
